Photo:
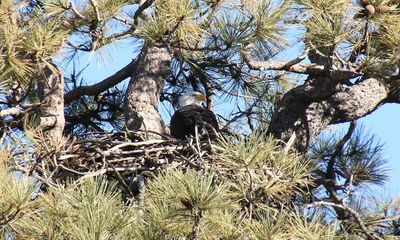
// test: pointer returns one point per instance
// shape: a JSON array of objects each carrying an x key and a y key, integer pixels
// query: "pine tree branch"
[
  {"x": 196, "y": 226},
  {"x": 119, "y": 76},
  {"x": 311, "y": 107},
  {"x": 9, "y": 215},
  {"x": 330, "y": 172},
  {"x": 140, "y": 12},
  {"x": 295, "y": 67},
  {"x": 14, "y": 111},
  {"x": 105, "y": 84},
  {"x": 96, "y": 10},
  {"x": 358, "y": 100},
  {"x": 72, "y": 7},
  {"x": 370, "y": 235},
  {"x": 143, "y": 5}
]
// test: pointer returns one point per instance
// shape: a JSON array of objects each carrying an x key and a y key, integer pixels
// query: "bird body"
[{"x": 192, "y": 114}]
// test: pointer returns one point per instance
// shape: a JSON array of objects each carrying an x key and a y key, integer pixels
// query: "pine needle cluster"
[
  {"x": 261, "y": 173},
  {"x": 90, "y": 209},
  {"x": 176, "y": 19},
  {"x": 26, "y": 41},
  {"x": 340, "y": 24}
]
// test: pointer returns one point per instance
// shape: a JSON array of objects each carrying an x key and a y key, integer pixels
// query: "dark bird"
[{"x": 192, "y": 115}]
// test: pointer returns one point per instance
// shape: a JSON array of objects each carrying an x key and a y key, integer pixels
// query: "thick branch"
[
  {"x": 308, "y": 116},
  {"x": 19, "y": 110},
  {"x": 357, "y": 101},
  {"x": 105, "y": 84}
]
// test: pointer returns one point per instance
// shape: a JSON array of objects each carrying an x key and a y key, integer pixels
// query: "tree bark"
[
  {"x": 51, "y": 87},
  {"x": 308, "y": 109},
  {"x": 144, "y": 89}
]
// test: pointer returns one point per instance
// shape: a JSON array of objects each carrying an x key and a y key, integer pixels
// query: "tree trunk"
[
  {"x": 144, "y": 89},
  {"x": 51, "y": 87}
]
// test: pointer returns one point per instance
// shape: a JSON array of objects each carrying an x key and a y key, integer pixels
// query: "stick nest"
[{"x": 124, "y": 156}]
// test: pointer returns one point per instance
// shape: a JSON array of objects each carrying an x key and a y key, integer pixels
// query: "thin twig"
[
  {"x": 71, "y": 6},
  {"x": 96, "y": 10},
  {"x": 354, "y": 213}
]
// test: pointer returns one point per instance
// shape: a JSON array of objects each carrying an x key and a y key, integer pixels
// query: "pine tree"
[{"x": 95, "y": 161}]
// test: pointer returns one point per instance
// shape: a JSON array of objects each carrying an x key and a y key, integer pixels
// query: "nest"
[{"x": 124, "y": 156}]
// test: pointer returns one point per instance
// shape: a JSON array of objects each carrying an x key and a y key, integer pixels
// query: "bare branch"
[
  {"x": 144, "y": 4},
  {"x": 19, "y": 109},
  {"x": 75, "y": 11},
  {"x": 96, "y": 9},
  {"x": 355, "y": 214},
  {"x": 105, "y": 84},
  {"x": 10, "y": 112},
  {"x": 295, "y": 67},
  {"x": 330, "y": 172}
]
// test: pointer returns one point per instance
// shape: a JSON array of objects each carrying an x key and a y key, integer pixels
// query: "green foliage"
[
  {"x": 16, "y": 193},
  {"x": 326, "y": 30},
  {"x": 359, "y": 163},
  {"x": 328, "y": 24},
  {"x": 261, "y": 172},
  {"x": 363, "y": 161},
  {"x": 175, "y": 199},
  {"x": 258, "y": 24},
  {"x": 282, "y": 225},
  {"x": 313, "y": 228},
  {"x": 28, "y": 41},
  {"x": 176, "y": 18},
  {"x": 266, "y": 30},
  {"x": 246, "y": 192},
  {"x": 253, "y": 186},
  {"x": 325, "y": 6},
  {"x": 44, "y": 40},
  {"x": 13, "y": 66},
  {"x": 90, "y": 209}
]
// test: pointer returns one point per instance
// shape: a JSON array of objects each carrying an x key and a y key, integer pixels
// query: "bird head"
[{"x": 196, "y": 98}]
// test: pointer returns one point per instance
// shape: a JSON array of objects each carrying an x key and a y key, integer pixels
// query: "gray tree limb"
[
  {"x": 309, "y": 114},
  {"x": 294, "y": 66},
  {"x": 103, "y": 85},
  {"x": 324, "y": 98}
]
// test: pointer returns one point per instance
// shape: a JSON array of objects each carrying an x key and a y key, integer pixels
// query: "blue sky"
[{"x": 384, "y": 123}]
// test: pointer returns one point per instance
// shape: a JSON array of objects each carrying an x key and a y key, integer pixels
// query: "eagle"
[{"x": 192, "y": 115}]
